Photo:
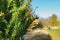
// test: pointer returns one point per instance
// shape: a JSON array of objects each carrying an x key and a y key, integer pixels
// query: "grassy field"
[{"x": 55, "y": 34}]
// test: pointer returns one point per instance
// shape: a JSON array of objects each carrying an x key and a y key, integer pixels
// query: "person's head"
[{"x": 37, "y": 35}]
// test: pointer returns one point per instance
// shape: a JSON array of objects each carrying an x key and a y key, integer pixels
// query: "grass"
[{"x": 55, "y": 34}]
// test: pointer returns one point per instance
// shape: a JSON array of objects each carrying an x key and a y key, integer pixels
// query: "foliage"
[
  {"x": 15, "y": 18},
  {"x": 39, "y": 25},
  {"x": 35, "y": 24},
  {"x": 53, "y": 21}
]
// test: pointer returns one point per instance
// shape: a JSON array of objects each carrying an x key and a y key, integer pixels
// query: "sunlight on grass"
[{"x": 55, "y": 34}]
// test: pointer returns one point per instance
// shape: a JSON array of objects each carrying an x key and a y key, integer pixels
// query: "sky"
[{"x": 46, "y": 7}]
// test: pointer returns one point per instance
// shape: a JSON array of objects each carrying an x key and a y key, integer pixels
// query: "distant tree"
[
  {"x": 54, "y": 20},
  {"x": 54, "y": 17}
]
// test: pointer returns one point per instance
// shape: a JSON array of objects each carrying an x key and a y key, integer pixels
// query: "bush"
[{"x": 15, "y": 19}]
